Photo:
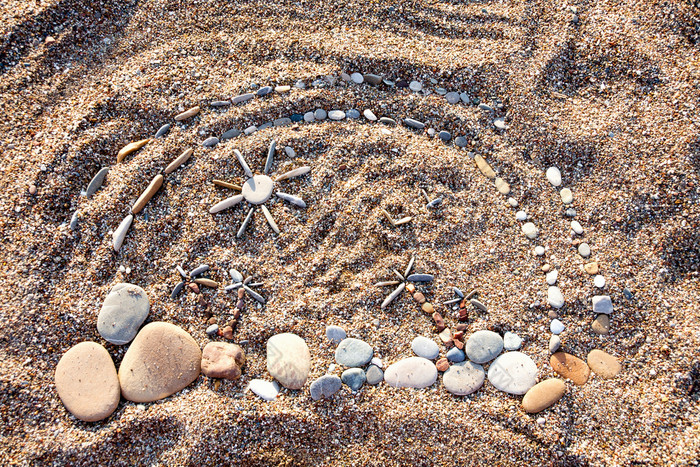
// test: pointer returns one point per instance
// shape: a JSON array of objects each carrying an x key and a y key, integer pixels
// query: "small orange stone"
[
  {"x": 546, "y": 268},
  {"x": 241, "y": 292},
  {"x": 428, "y": 308},
  {"x": 411, "y": 288},
  {"x": 442, "y": 364},
  {"x": 439, "y": 322},
  {"x": 592, "y": 268},
  {"x": 227, "y": 332},
  {"x": 193, "y": 287},
  {"x": 570, "y": 367}
]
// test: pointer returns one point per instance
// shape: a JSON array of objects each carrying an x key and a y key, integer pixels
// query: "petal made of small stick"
[
  {"x": 270, "y": 220},
  {"x": 181, "y": 272},
  {"x": 247, "y": 280},
  {"x": 119, "y": 234},
  {"x": 131, "y": 147},
  {"x": 420, "y": 277},
  {"x": 386, "y": 283},
  {"x": 224, "y": 184},
  {"x": 254, "y": 294},
  {"x": 388, "y": 216},
  {"x": 235, "y": 275},
  {"x": 398, "y": 274},
  {"x": 207, "y": 282},
  {"x": 181, "y": 159},
  {"x": 393, "y": 295},
  {"x": 410, "y": 266},
  {"x": 177, "y": 289},
  {"x": 403, "y": 221},
  {"x": 231, "y": 287},
  {"x": 243, "y": 163},
  {"x": 245, "y": 223},
  {"x": 294, "y": 173},
  {"x": 227, "y": 203},
  {"x": 147, "y": 194},
  {"x": 291, "y": 199},
  {"x": 270, "y": 156}
]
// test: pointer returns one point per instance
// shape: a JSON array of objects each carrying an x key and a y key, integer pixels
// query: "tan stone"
[
  {"x": 570, "y": 367},
  {"x": 206, "y": 282},
  {"x": 601, "y": 325},
  {"x": 411, "y": 288},
  {"x": 187, "y": 114},
  {"x": 131, "y": 147},
  {"x": 543, "y": 395},
  {"x": 484, "y": 167},
  {"x": 222, "y": 360},
  {"x": 146, "y": 196},
  {"x": 442, "y": 364},
  {"x": 419, "y": 297},
  {"x": 603, "y": 364},
  {"x": 87, "y": 382},
  {"x": 162, "y": 360},
  {"x": 428, "y": 308},
  {"x": 502, "y": 186},
  {"x": 591, "y": 268},
  {"x": 181, "y": 159}
]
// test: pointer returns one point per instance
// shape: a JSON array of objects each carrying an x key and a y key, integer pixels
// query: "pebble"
[
  {"x": 181, "y": 159},
  {"x": 445, "y": 135},
  {"x": 539, "y": 250},
  {"x": 463, "y": 378},
  {"x": 513, "y": 372},
  {"x": 374, "y": 375},
  {"x": 352, "y": 113},
  {"x": 95, "y": 183},
  {"x": 87, "y": 383},
  {"x": 220, "y": 103},
  {"x": 460, "y": 141},
  {"x": 465, "y": 98},
  {"x": 354, "y": 378},
  {"x": 602, "y": 304},
  {"x": 484, "y": 167},
  {"x": 599, "y": 281},
  {"x": 222, "y": 360},
  {"x": 124, "y": 310},
  {"x": 162, "y": 360},
  {"x": 627, "y": 293},
  {"x": 335, "y": 334},
  {"x": 521, "y": 215},
  {"x": 603, "y": 364},
  {"x": 148, "y": 193},
  {"x": 242, "y": 98},
  {"x": 264, "y": 91},
  {"x": 187, "y": 114},
  {"x": 570, "y": 367},
  {"x": 530, "y": 230},
  {"x": 300, "y": 84},
  {"x": 556, "y": 327},
  {"x": 325, "y": 387},
  {"x": 543, "y": 395},
  {"x": 372, "y": 79},
  {"x": 555, "y": 297},
  {"x": 485, "y": 107},
  {"x": 456, "y": 355},
  {"x": 554, "y": 176},
  {"x": 554, "y": 343},
  {"x": 420, "y": 278},
  {"x": 552, "y": 276},
  {"x": 131, "y": 147},
  {"x": 213, "y": 329},
  {"x": 387, "y": 121},
  {"x": 283, "y": 89},
  {"x": 377, "y": 361},
  {"x": 309, "y": 117},
  {"x": 576, "y": 227},
  {"x": 452, "y": 97},
  {"x": 478, "y": 305},
  {"x": 353, "y": 353},
  {"x": 500, "y": 123},
  {"x": 566, "y": 196},
  {"x": 426, "y": 348},
  {"x": 483, "y": 346},
  {"x": 411, "y": 372},
  {"x": 369, "y": 115},
  {"x": 229, "y": 134},
  {"x": 584, "y": 250},
  {"x": 296, "y": 118},
  {"x": 320, "y": 114},
  {"x": 415, "y": 86},
  {"x": 74, "y": 221},
  {"x": 601, "y": 324},
  {"x": 202, "y": 268},
  {"x": 357, "y": 78},
  {"x": 284, "y": 121},
  {"x": 162, "y": 131},
  {"x": 571, "y": 212},
  {"x": 265, "y": 389},
  {"x": 591, "y": 268},
  {"x": 250, "y": 130},
  {"x": 288, "y": 360},
  {"x": 336, "y": 115},
  {"x": 414, "y": 123},
  {"x": 512, "y": 341}
]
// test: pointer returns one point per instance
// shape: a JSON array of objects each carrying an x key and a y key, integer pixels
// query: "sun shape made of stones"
[{"x": 257, "y": 190}]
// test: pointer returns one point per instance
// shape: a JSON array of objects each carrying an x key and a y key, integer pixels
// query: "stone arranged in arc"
[
  {"x": 354, "y": 378},
  {"x": 411, "y": 372},
  {"x": 325, "y": 387},
  {"x": 464, "y": 378},
  {"x": 123, "y": 311},
  {"x": 483, "y": 346},
  {"x": 353, "y": 353},
  {"x": 570, "y": 367},
  {"x": 162, "y": 360},
  {"x": 603, "y": 364},
  {"x": 87, "y": 383},
  {"x": 222, "y": 360},
  {"x": 543, "y": 395},
  {"x": 288, "y": 360},
  {"x": 513, "y": 372},
  {"x": 426, "y": 348}
]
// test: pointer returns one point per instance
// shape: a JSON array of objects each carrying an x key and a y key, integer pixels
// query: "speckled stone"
[
  {"x": 335, "y": 334},
  {"x": 513, "y": 372},
  {"x": 411, "y": 372},
  {"x": 222, "y": 360},
  {"x": 288, "y": 360},
  {"x": 543, "y": 395},
  {"x": 483, "y": 346},
  {"x": 601, "y": 324},
  {"x": 354, "y": 378},
  {"x": 512, "y": 341},
  {"x": 124, "y": 310},
  {"x": 426, "y": 348},
  {"x": 570, "y": 367},
  {"x": 374, "y": 374},
  {"x": 463, "y": 378},
  {"x": 603, "y": 364},
  {"x": 353, "y": 353},
  {"x": 456, "y": 355},
  {"x": 325, "y": 386}
]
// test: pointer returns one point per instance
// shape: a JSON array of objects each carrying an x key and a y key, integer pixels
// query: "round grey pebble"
[
  {"x": 426, "y": 348},
  {"x": 210, "y": 142},
  {"x": 463, "y": 378},
  {"x": 415, "y": 86},
  {"x": 456, "y": 355},
  {"x": 211, "y": 330},
  {"x": 374, "y": 375},
  {"x": 460, "y": 141},
  {"x": 320, "y": 114},
  {"x": 354, "y": 377},
  {"x": 124, "y": 310},
  {"x": 483, "y": 346},
  {"x": 512, "y": 341},
  {"x": 353, "y": 352},
  {"x": 309, "y": 117},
  {"x": 352, "y": 113},
  {"x": 584, "y": 250},
  {"x": 452, "y": 97},
  {"x": 445, "y": 135},
  {"x": 325, "y": 386},
  {"x": 335, "y": 334},
  {"x": 162, "y": 131}
]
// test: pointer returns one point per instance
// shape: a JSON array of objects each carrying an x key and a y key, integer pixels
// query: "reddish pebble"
[
  {"x": 459, "y": 344},
  {"x": 411, "y": 288},
  {"x": 419, "y": 297},
  {"x": 236, "y": 313},
  {"x": 442, "y": 364},
  {"x": 463, "y": 315},
  {"x": 240, "y": 304},
  {"x": 227, "y": 332},
  {"x": 459, "y": 335},
  {"x": 32, "y": 189},
  {"x": 546, "y": 268},
  {"x": 241, "y": 293},
  {"x": 213, "y": 320},
  {"x": 439, "y": 322},
  {"x": 193, "y": 287},
  {"x": 461, "y": 327}
]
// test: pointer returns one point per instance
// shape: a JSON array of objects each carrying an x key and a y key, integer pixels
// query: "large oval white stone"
[{"x": 258, "y": 189}]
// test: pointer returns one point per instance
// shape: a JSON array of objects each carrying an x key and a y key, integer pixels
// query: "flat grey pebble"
[
  {"x": 460, "y": 141},
  {"x": 320, "y": 114},
  {"x": 352, "y": 113},
  {"x": 289, "y": 151},
  {"x": 213, "y": 329},
  {"x": 456, "y": 355},
  {"x": 325, "y": 386},
  {"x": 264, "y": 91},
  {"x": 555, "y": 297},
  {"x": 452, "y": 97},
  {"x": 162, "y": 131},
  {"x": 369, "y": 115},
  {"x": 483, "y": 346},
  {"x": 602, "y": 304},
  {"x": 387, "y": 121},
  {"x": 374, "y": 375},
  {"x": 463, "y": 378},
  {"x": 336, "y": 115},
  {"x": 414, "y": 123},
  {"x": 512, "y": 341},
  {"x": 445, "y": 135},
  {"x": 335, "y": 334},
  {"x": 556, "y": 327},
  {"x": 74, "y": 221},
  {"x": 284, "y": 121},
  {"x": 411, "y": 372},
  {"x": 354, "y": 378},
  {"x": 309, "y": 117},
  {"x": 123, "y": 311},
  {"x": 229, "y": 134},
  {"x": 210, "y": 142},
  {"x": 426, "y": 348},
  {"x": 420, "y": 277},
  {"x": 353, "y": 352}
]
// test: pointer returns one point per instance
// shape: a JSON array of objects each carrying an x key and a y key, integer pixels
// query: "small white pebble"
[
  {"x": 378, "y": 362},
  {"x": 331, "y": 368},
  {"x": 539, "y": 250},
  {"x": 541, "y": 421},
  {"x": 521, "y": 215},
  {"x": 141, "y": 407},
  {"x": 599, "y": 281},
  {"x": 128, "y": 269},
  {"x": 513, "y": 202},
  {"x": 122, "y": 269}
]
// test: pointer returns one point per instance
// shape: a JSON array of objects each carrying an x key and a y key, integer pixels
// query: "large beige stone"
[
  {"x": 603, "y": 364},
  {"x": 570, "y": 367},
  {"x": 543, "y": 395},
  {"x": 288, "y": 360},
  {"x": 87, "y": 382},
  {"x": 222, "y": 360},
  {"x": 162, "y": 360}
]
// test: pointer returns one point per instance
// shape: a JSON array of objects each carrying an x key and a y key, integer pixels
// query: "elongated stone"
[
  {"x": 291, "y": 199},
  {"x": 410, "y": 266},
  {"x": 187, "y": 114},
  {"x": 502, "y": 186},
  {"x": 181, "y": 159},
  {"x": 270, "y": 156},
  {"x": 369, "y": 115},
  {"x": 372, "y": 79},
  {"x": 393, "y": 295},
  {"x": 270, "y": 220},
  {"x": 207, "y": 282},
  {"x": 96, "y": 182},
  {"x": 244, "y": 164},
  {"x": 254, "y": 294},
  {"x": 242, "y": 98},
  {"x": 386, "y": 283},
  {"x": 146, "y": 196},
  {"x": 162, "y": 131},
  {"x": 299, "y": 171},
  {"x": 210, "y": 142},
  {"x": 177, "y": 289},
  {"x": 570, "y": 367},
  {"x": 543, "y": 395},
  {"x": 131, "y": 147},
  {"x": 120, "y": 234},
  {"x": 414, "y": 123},
  {"x": 484, "y": 167},
  {"x": 220, "y": 103},
  {"x": 229, "y": 134},
  {"x": 241, "y": 231},
  {"x": 420, "y": 277}
]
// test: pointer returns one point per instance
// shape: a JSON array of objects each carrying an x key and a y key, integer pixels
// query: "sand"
[{"x": 606, "y": 91}]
